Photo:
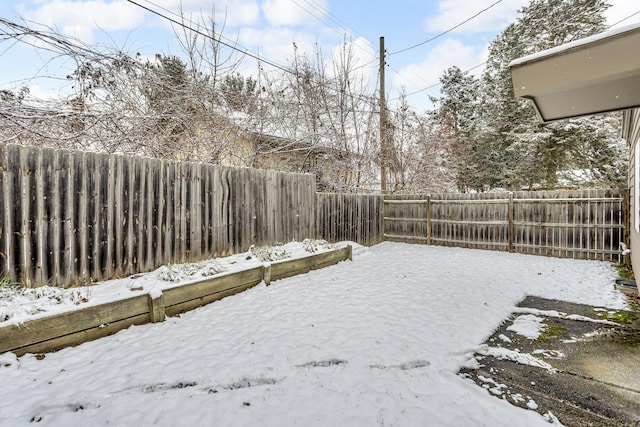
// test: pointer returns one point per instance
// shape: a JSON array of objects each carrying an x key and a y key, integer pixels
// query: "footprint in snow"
[
  {"x": 244, "y": 383},
  {"x": 323, "y": 363},
  {"x": 415, "y": 364},
  {"x": 164, "y": 386},
  {"x": 71, "y": 407}
]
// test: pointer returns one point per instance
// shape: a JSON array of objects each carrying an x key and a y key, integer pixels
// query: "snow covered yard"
[{"x": 376, "y": 341}]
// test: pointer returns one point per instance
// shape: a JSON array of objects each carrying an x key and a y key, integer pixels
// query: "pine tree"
[
  {"x": 239, "y": 93},
  {"x": 456, "y": 116},
  {"x": 513, "y": 145}
]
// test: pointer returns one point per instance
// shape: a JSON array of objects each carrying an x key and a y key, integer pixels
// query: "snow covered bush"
[
  {"x": 312, "y": 245},
  {"x": 269, "y": 253},
  {"x": 16, "y": 301},
  {"x": 178, "y": 272}
]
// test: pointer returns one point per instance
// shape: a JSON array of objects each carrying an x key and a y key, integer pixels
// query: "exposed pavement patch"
[{"x": 580, "y": 363}]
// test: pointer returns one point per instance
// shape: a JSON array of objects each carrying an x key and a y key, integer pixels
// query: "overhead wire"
[
  {"x": 232, "y": 46},
  {"x": 415, "y": 75},
  {"x": 220, "y": 35},
  {"x": 316, "y": 16},
  {"x": 214, "y": 38},
  {"x": 339, "y": 22},
  {"x": 433, "y": 85},
  {"x": 446, "y": 31}
]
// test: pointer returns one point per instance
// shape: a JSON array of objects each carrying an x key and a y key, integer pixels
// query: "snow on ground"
[
  {"x": 376, "y": 341},
  {"x": 19, "y": 304},
  {"x": 527, "y": 325}
]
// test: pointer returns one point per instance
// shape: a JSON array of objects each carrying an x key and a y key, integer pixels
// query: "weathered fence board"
[
  {"x": 353, "y": 217},
  {"x": 405, "y": 218},
  {"x": 73, "y": 217},
  {"x": 578, "y": 224},
  {"x": 575, "y": 224}
]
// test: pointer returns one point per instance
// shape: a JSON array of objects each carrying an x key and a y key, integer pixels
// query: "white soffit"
[{"x": 597, "y": 74}]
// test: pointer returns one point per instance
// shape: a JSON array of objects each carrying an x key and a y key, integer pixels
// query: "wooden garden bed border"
[{"x": 57, "y": 331}]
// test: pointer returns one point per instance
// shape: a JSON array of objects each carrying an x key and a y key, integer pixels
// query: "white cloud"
[
  {"x": 362, "y": 57},
  {"x": 417, "y": 76},
  {"x": 229, "y": 12},
  {"x": 276, "y": 44},
  {"x": 80, "y": 18},
  {"x": 453, "y": 12},
  {"x": 287, "y": 12}
]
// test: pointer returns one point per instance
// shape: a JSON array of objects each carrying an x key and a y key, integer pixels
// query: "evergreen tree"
[
  {"x": 513, "y": 145},
  {"x": 169, "y": 92},
  {"x": 456, "y": 117},
  {"x": 239, "y": 93}
]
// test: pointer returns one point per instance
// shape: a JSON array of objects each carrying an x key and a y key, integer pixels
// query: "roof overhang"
[{"x": 593, "y": 75}]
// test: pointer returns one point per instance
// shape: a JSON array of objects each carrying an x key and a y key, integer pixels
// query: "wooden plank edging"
[
  {"x": 57, "y": 331},
  {"x": 288, "y": 268}
]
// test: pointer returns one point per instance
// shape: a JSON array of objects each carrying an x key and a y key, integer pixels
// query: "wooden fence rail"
[
  {"x": 71, "y": 217},
  {"x": 574, "y": 224}
]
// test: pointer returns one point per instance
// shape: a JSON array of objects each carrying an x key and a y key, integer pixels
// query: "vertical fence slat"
[
  {"x": 8, "y": 251},
  {"x": 110, "y": 208},
  {"x": 82, "y": 233},
  {"x": 56, "y": 243},
  {"x": 97, "y": 215},
  {"x": 42, "y": 221},
  {"x": 26, "y": 264}
]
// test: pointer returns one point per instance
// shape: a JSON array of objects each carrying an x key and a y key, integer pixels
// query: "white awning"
[{"x": 593, "y": 75}]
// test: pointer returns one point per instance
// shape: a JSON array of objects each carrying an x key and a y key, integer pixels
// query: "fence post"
[
  {"x": 156, "y": 306},
  {"x": 510, "y": 227},
  {"x": 428, "y": 219},
  {"x": 266, "y": 273}
]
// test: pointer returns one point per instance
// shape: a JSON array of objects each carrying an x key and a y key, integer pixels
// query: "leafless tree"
[
  {"x": 317, "y": 115},
  {"x": 419, "y": 153},
  {"x": 324, "y": 111}
]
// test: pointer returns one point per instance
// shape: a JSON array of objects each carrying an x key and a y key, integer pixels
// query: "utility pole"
[{"x": 383, "y": 123}]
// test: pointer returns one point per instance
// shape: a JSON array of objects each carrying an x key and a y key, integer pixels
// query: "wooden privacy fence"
[
  {"x": 72, "y": 217},
  {"x": 573, "y": 224},
  {"x": 353, "y": 217},
  {"x": 69, "y": 217}
]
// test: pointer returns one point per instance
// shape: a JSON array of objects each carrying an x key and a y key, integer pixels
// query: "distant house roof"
[{"x": 596, "y": 74}]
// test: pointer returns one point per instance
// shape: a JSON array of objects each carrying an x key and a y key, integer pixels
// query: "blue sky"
[{"x": 270, "y": 27}]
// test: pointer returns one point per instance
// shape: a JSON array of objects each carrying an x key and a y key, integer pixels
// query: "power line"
[
  {"x": 212, "y": 37},
  {"x": 447, "y": 31},
  {"x": 181, "y": 17},
  {"x": 314, "y": 4},
  {"x": 337, "y": 21},
  {"x": 246, "y": 52},
  {"x": 433, "y": 85},
  {"x": 414, "y": 74},
  {"x": 319, "y": 18}
]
